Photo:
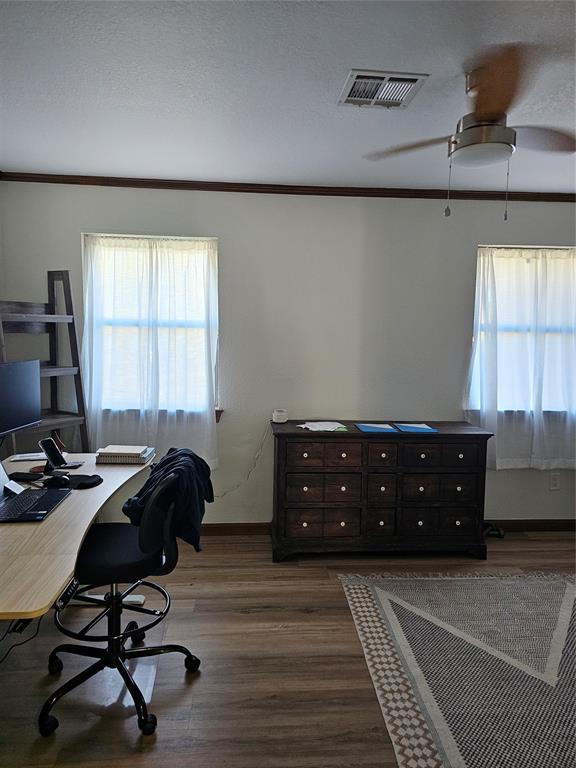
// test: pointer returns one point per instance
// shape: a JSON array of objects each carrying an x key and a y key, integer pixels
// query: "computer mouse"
[{"x": 57, "y": 481}]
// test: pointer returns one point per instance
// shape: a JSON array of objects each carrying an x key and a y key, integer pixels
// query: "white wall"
[{"x": 330, "y": 307}]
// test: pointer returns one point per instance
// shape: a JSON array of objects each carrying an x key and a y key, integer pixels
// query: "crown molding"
[{"x": 283, "y": 189}]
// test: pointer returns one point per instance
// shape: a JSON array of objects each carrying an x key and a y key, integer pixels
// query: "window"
[
  {"x": 150, "y": 334},
  {"x": 522, "y": 382}
]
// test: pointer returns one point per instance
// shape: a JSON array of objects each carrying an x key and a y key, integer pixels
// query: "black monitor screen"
[{"x": 19, "y": 395}]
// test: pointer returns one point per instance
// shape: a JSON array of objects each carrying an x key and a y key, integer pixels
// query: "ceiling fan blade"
[
  {"x": 545, "y": 139},
  {"x": 496, "y": 79},
  {"x": 401, "y": 148}
]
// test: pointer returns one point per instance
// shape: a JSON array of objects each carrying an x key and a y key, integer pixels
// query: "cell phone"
[{"x": 55, "y": 456}]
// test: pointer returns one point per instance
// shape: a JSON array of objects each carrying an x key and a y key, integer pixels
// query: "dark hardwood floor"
[{"x": 283, "y": 682}]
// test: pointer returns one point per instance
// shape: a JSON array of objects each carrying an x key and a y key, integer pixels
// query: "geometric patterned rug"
[{"x": 471, "y": 671}]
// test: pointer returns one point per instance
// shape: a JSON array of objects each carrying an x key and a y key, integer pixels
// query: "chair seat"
[{"x": 110, "y": 554}]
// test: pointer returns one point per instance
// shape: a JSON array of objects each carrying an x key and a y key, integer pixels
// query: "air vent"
[{"x": 393, "y": 90}]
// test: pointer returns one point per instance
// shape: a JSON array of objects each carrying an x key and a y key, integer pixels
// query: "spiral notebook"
[{"x": 124, "y": 454}]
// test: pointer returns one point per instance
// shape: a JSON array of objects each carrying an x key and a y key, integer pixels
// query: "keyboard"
[{"x": 31, "y": 505}]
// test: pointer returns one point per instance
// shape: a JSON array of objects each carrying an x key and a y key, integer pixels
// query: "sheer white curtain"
[
  {"x": 150, "y": 341},
  {"x": 522, "y": 377}
]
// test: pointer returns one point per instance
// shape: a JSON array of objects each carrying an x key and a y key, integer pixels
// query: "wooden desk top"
[{"x": 37, "y": 560}]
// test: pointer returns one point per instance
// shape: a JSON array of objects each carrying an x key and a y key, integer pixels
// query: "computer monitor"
[{"x": 19, "y": 396}]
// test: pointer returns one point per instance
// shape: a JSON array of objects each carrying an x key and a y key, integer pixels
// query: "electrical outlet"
[{"x": 554, "y": 481}]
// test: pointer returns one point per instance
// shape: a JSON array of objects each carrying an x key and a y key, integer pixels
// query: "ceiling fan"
[{"x": 482, "y": 136}]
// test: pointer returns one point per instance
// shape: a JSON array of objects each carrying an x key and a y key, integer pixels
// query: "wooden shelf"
[
  {"x": 47, "y": 371},
  {"x": 16, "y": 317},
  {"x": 57, "y": 419}
]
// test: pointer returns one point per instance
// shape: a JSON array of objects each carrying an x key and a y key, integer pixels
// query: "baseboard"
[
  {"x": 236, "y": 529},
  {"x": 535, "y": 524}
]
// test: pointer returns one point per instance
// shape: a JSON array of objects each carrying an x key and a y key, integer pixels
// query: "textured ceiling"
[{"x": 248, "y": 91}]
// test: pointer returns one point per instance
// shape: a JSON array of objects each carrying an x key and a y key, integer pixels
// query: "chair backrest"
[{"x": 157, "y": 524}]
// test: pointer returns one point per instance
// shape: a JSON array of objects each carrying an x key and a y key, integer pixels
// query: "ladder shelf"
[{"x": 27, "y": 317}]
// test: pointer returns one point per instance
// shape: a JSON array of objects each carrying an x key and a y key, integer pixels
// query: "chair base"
[{"x": 113, "y": 656}]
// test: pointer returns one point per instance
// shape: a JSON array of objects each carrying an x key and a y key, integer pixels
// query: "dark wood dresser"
[{"x": 357, "y": 491}]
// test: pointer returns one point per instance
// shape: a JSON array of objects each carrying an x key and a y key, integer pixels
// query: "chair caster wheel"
[
  {"x": 192, "y": 663},
  {"x": 137, "y": 637},
  {"x": 47, "y": 725},
  {"x": 55, "y": 665},
  {"x": 148, "y": 726}
]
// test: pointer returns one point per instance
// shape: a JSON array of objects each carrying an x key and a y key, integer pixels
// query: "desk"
[{"x": 37, "y": 560}]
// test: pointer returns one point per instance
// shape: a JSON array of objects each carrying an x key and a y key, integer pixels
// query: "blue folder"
[
  {"x": 372, "y": 428},
  {"x": 410, "y": 428}
]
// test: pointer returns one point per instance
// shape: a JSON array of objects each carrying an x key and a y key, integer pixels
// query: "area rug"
[{"x": 471, "y": 671}]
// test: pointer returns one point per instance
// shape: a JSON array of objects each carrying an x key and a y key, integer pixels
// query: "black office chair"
[{"x": 113, "y": 554}]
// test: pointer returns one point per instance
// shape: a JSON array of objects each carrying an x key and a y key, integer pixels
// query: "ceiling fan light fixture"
[
  {"x": 478, "y": 142},
  {"x": 477, "y": 155}
]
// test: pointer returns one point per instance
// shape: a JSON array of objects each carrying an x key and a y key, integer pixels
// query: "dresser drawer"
[
  {"x": 421, "y": 455},
  {"x": 304, "y": 487},
  {"x": 458, "y": 487},
  {"x": 382, "y": 455},
  {"x": 417, "y": 522},
  {"x": 459, "y": 455},
  {"x": 381, "y": 489},
  {"x": 380, "y": 522},
  {"x": 304, "y": 523},
  {"x": 458, "y": 522},
  {"x": 305, "y": 454},
  {"x": 343, "y": 454},
  {"x": 341, "y": 522},
  {"x": 420, "y": 487},
  {"x": 342, "y": 487}
]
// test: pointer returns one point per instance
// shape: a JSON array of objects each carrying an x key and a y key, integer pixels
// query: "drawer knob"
[
  {"x": 457, "y": 522},
  {"x": 420, "y": 522},
  {"x": 421, "y": 489},
  {"x": 305, "y": 489},
  {"x": 422, "y": 455},
  {"x": 342, "y": 523},
  {"x": 342, "y": 488},
  {"x": 305, "y": 455},
  {"x": 383, "y": 488},
  {"x": 458, "y": 488},
  {"x": 460, "y": 455},
  {"x": 343, "y": 455},
  {"x": 382, "y": 455},
  {"x": 381, "y": 522},
  {"x": 304, "y": 525}
]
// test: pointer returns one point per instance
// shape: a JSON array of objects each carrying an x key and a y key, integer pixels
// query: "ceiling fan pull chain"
[
  {"x": 447, "y": 210},
  {"x": 507, "y": 188}
]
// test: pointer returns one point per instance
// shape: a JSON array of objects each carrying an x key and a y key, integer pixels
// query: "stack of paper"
[{"x": 323, "y": 426}]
